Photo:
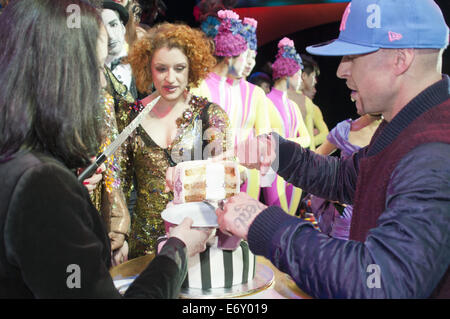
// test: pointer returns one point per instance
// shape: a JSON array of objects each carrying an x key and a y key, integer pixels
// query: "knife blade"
[{"x": 111, "y": 148}]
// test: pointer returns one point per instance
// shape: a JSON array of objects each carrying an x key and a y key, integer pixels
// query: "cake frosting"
[{"x": 196, "y": 181}]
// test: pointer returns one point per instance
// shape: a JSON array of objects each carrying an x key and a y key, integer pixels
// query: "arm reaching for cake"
[
  {"x": 238, "y": 213},
  {"x": 194, "y": 238},
  {"x": 258, "y": 152}
]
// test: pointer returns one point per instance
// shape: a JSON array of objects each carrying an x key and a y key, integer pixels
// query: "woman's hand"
[
  {"x": 194, "y": 238},
  {"x": 169, "y": 179},
  {"x": 120, "y": 255},
  {"x": 91, "y": 182}
]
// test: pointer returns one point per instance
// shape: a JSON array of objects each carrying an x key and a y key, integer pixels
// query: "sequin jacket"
[
  {"x": 201, "y": 130},
  {"x": 108, "y": 197}
]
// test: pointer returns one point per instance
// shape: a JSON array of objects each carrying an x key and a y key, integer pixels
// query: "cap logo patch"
[
  {"x": 345, "y": 17},
  {"x": 374, "y": 19},
  {"x": 394, "y": 36}
]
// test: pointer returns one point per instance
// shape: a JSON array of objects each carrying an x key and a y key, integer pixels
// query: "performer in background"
[
  {"x": 255, "y": 109},
  {"x": 230, "y": 50},
  {"x": 115, "y": 17},
  {"x": 286, "y": 119},
  {"x": 311, "y": 113}
]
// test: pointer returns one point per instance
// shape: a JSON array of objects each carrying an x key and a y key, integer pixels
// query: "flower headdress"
[
  {"x": 210, "y": 26},
  {"x": 249, "y": 32},
  {"x": 229, "y": 42},
  {"x": 287, "y": 61}
]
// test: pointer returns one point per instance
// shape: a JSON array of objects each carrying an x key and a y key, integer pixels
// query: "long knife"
[{"x": 117, "y": 142}]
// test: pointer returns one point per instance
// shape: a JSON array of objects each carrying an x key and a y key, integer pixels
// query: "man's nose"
[{"x": 343, "y": 70}]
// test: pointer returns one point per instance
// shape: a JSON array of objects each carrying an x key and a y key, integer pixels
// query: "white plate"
[
  {"x": 203, "y": 214},
  {"x": 123, "y": 283}
]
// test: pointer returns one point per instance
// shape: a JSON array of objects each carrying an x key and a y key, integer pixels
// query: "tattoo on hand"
[{"x": 246, "y": 212}]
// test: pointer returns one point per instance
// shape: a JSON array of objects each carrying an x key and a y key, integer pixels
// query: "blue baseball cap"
[{"x": 368, "y": 25}]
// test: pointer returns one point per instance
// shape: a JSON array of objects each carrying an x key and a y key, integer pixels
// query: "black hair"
[
  {"x": 260, "y": 77},
  {"x": 49, "y": 83},
  {"x": 309, "y": 65}
]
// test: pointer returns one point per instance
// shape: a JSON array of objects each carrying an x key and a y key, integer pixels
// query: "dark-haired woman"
[{"x": 53, "y": 243}]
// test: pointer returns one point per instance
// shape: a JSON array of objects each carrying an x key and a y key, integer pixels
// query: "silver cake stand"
[{"x": 264, "y": 278}]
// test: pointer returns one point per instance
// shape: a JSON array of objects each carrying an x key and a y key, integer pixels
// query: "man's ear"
[{"x": 403, "y": 60}]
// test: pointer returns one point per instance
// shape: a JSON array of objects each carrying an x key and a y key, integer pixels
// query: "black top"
[{"x": 54, "y": 243}]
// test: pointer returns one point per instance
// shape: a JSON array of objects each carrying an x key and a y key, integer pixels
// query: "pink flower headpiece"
[
  {"x": 227, "y": 14},
  {"x": 229, "y": 41},
  {"x": 249, "y": 32},
  {"x": 287, "y": 61},
  {"x": 251, "y": 21},
  {"x": 285, "y": 42}
]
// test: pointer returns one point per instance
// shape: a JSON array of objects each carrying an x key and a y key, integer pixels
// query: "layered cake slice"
[{"x": 196, "y": 181}]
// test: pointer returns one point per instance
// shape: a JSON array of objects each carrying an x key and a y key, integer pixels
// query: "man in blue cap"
[{"x": 399, "y": 185}]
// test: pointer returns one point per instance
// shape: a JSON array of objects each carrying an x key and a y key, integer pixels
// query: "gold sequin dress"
[
  {"x": 202, "y": 127},
  {"x": 108, "y": 196}
]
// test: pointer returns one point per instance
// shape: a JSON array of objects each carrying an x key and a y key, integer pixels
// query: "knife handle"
[{"x": 90, "y": 170}]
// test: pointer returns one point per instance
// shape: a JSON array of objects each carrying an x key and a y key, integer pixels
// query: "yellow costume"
[
  {"x": 314, "y": 119},
  {"x": 286, "y": 119}
]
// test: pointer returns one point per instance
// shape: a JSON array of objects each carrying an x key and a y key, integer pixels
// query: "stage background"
[{"x": 306, "y": 22}]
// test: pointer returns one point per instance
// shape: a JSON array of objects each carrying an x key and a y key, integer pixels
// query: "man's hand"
[
  {"x": 257, "y": 152},
  {"x": 238, "y": 213}
]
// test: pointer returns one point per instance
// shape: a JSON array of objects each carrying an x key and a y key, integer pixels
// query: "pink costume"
[
  {"x": 286, "y": 119},
  {"x": 252, "y": 119},
  {"x": 251, "y": 114},
  {"x": 228, "y": 43},
  {"x": 244, "y": 103}
]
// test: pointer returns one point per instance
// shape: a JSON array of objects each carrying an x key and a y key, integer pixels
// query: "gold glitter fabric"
[
  {"x": 202, "y": 132},
  {"x": 122, "y": 98},
  {"x": 108, "y": 196}
]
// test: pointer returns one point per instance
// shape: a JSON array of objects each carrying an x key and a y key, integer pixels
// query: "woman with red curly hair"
[{"x": 168, "y": 60}]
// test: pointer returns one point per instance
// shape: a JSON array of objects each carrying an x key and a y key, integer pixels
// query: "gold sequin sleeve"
[{"x": 108, "y": 196}]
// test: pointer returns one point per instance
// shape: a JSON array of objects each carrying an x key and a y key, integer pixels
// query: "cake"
[
  {"x": 196, "y": 181},
  {"x": 218, "y": 268}
]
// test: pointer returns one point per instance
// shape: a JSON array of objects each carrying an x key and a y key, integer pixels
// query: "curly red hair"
[{"x": 192, "y": 42}]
